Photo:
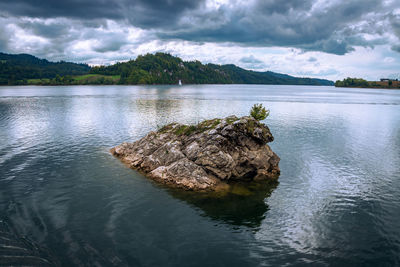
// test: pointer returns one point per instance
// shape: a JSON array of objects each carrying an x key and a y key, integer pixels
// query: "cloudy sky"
[{"x": 317, "y": 38}]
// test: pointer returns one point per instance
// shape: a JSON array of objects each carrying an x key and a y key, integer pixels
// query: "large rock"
[{"x": 205, "y": 156}]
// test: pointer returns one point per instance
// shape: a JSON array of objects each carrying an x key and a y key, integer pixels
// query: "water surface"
[{"x": 337, "y": 202}]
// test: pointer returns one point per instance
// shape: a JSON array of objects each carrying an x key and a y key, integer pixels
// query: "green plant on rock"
[{"x": 259, "y": 112}]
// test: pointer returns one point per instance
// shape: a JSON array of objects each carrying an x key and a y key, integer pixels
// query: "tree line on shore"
[
  {"x": 358, "y": 82},
  {"x": 158, "y": 68}
]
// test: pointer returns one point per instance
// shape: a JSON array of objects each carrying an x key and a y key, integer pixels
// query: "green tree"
[
  {"x": 352, "y": 82},
  {"x": 339, "y": 83},
  {"x": 259, "y": 112}
]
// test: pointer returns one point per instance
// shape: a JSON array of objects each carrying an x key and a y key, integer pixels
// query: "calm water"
[{"x": 337, "y": 203}]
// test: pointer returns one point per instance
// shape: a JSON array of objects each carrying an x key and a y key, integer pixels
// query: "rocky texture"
[{"x": 205, "y": 156}]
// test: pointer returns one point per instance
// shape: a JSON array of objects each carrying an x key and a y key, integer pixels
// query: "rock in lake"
[{"x": 206, "y": 156}]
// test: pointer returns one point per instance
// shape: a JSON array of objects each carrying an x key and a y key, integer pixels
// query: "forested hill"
[
  {"x": 17, "y": 69},
  {"x": 159, "y": 68},
  {"x": 162, "y": 68}
]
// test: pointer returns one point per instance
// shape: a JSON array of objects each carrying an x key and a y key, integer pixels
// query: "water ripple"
[{"x": 337, "y": 202}]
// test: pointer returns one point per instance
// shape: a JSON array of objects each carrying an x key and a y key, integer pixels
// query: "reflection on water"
[
  {"x": 243, "y": 204},
  {"x": 337, "y": 202}
]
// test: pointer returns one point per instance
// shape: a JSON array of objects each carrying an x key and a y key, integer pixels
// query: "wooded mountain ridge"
[{"x": 158, "y": 68}]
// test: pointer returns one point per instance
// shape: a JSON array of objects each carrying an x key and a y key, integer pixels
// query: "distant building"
[{"x": 387, "y": 79}]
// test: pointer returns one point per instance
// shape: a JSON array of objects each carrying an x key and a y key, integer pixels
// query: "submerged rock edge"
[{"x": 206, "y": 156}]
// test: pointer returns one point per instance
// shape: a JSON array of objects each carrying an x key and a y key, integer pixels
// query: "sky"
[{"x": 330, "y": 39}]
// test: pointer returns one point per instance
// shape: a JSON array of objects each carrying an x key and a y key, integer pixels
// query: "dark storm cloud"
[
  {"x": 284, "y": 23},
  {"x": 332, "y": 27},
  {"x": 142, "y": 13},
  {"x": 158, "y": 13},
  {"x": 77, "y": 20},
  {"x": 395, "y": 23},
  {"x": 39, "y": 28},
  {"x": 283, "y": 7},
  {"x": 85, "y": 9}
]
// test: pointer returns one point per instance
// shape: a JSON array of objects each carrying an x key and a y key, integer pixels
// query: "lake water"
[{"x": 337, "y": 202}]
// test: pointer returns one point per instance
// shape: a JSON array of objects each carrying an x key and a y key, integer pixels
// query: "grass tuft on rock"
[
  {"x": 191, "y": 129},
  {"x": 251, "y": 126},
  {"x": 181, "y": 129},
  {"x": 232, "y": 119}
]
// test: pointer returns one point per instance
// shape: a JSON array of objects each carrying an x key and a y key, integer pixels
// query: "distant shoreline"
[
  {"x": 386, "y": 88},
  {"x": 60, "y": 85},
  {"x": 361, "y": 83}
]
